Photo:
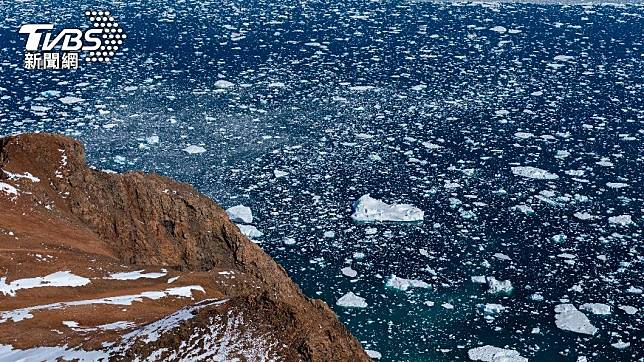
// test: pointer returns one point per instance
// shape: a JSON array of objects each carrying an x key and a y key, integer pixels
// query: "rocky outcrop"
[{"x": 203, "y": 290}]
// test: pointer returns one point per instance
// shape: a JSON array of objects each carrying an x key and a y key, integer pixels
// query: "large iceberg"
[{"x": 368, "y": 209}]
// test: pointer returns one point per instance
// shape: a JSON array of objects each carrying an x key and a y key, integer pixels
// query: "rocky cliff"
[{"x": 95, "y": 265}]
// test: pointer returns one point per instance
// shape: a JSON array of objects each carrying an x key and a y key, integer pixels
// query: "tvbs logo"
[{"x": 48, "y": 50}]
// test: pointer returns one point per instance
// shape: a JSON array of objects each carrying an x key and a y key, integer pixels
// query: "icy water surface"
[{"x": 302, "y": 108}]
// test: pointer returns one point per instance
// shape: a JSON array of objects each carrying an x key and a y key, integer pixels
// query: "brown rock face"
[{"x": 191, "y": 287}]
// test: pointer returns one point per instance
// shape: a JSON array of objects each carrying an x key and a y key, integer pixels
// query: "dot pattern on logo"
[{"x": 111, "y": 38}]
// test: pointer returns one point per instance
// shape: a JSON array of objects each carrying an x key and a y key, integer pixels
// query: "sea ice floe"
[
  {"x": 569, "y": 318},
  {"x": 352, "y": 301},
  {"x": 498, "y": 286},
  {"x": 240, "y": 213},
  {"x": 534, "y": 173},
  {"x": 368, "y": 209},
  {"x": 57, "y": 279},
  {"x": 494, "y": 354},
  {"x": 405, "y": 284},
  {"x": 134, "y": 275}
]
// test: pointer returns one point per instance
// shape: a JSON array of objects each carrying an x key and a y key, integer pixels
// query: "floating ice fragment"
[
  {"x": 368, "y": 209},
  {"x": 279, "y": 173},
  {"x": 70, "y": 100},
  {"x": 348, "y": 271},
  {"x": 494, "y": 354},
  {"x": 192, "y": 149},
  {"x": 499, "y": 29},
  {"x": 250, "y": 231},
  {"x": 568, "y": 318},
  {"x": 533, "y": 172},
  {"x": 240, "y": 213},
  {"x": 223, "y": 84},
  {"x": 373, "y": 354},
  {"x": 498, "y": 286},
  {"x": 351, "y": 300},
  {"x": 405, "y": 284},
  {"x": 622, "y": 220},
  {"x": 596, "y": 308}
]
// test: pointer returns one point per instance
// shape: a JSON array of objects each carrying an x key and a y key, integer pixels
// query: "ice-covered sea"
[{"x": 505, "y": 140}]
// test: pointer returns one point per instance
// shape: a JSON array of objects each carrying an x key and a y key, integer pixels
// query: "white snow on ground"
[
  {"x": 405, "y": 284},
  {"x": 622, "y": 220},
  {"x": 568, "y": 318},
  {"x": 57, "y": 279},
  {"x": 134, "y": 275},
  {"x": 116, "y": 326},
  {"x": 250, "y": 231},
  {"x": 17, "y": 176},
  {"x": 533, "y": 172},
  {"x": 17, "y": 315},
  {"x": 8, "y": 189},
  {"x": 495, "y": 354},
  {"x": 192, "y": 149},
  {"x": 498, "y": 286},
  {"x": 240, "y": 213},
  {"x": 368, "y": 209},
  {"x": 9, "y": 354},
  {"x": 596, "y": 308},
  {"x": 352, "y": 301}
]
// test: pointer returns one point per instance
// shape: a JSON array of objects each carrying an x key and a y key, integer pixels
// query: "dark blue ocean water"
[{"x": 412, "y": 102}]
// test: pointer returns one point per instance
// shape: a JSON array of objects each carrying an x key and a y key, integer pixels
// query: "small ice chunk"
[
  {"x": 250, "y": 231},
  {"x": 628, "y": 309},
  {"x": 495, "y": 354},
  {"x": 622, "y": 220},
  {"x": 568, "y": 318},
  {"x": 534, "y": 173},
  {"x": 192, "y": 149},
  {"x": 368, "y": 209},
  {"x": 70, "y": 100},
  {"x": 493, "y": 308},
  {"x": 329, "y": 234},
  {"x": 240, "y": 213},
  {"x": 499, "y": 29},
  {"x": 351, "y": 300},
  {"x": 348, "y": 271},
  {"x": 596, "y": 308},
  {"x": 223, "y": 84},
  {"x": 478, "y": 279},
  {"x": 501, "y": 256},
  {"x": 498, "y": 286},
  {"x": 279, "y": 173},
  {"x": 405, "y": 284},
  {"x": 373, "y": 354}
]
